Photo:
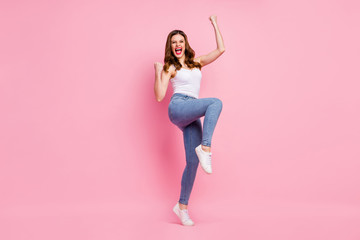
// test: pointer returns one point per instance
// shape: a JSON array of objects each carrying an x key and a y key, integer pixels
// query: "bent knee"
[{"x": 218, "y": 102}]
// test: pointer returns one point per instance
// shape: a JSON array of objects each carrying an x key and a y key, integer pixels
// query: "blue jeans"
[{"x": 185, "y": 112}]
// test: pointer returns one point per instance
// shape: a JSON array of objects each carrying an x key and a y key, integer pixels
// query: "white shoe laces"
[
  {"x": 184, "y": 215},
  {"x": 209, "y": 159}
]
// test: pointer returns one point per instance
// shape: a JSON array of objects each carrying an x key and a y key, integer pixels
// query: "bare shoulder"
[
  {"x": 172, "y": 68},
  {"x": 197, "y": 60},
  {"x": 172, "y": 71}
]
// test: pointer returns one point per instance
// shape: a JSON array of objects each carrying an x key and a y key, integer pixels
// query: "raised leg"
[{"x": 184, "y": 112}]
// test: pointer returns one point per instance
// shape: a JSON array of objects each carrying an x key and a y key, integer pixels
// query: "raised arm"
[
  {"x": 161, "y": 81},
  {"x": 212, "y": 56}
]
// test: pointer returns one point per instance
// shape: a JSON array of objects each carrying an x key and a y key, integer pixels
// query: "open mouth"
[{"x": 178, "y": 51}]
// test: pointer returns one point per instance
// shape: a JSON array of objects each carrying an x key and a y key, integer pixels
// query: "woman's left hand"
[{"x": 213, "y": 19}]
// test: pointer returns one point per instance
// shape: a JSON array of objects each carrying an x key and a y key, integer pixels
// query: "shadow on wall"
[{"x": 166, "y": 148}]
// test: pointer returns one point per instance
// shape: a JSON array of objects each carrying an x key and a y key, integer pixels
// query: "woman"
[{"x": 185, "y": 108}]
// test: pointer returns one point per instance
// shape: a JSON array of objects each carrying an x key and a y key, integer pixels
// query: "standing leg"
[{"x": 192, "y": 137}]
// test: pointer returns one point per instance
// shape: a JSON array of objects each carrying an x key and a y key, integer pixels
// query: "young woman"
[{"x": 185, "y": 108}]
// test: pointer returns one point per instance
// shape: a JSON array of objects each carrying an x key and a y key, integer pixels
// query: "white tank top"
[{"x": 187, "y": 82}]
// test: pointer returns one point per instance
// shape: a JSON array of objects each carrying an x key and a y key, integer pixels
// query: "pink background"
[{"x": 87, "y": 153}]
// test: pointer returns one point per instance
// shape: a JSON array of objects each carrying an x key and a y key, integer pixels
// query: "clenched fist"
[
  {"x": 158, "y": 66},
  {"x": 213, "y": 19}
]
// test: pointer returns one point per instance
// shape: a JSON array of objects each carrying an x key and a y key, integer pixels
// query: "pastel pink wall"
[{"x": 80, "y": 125}]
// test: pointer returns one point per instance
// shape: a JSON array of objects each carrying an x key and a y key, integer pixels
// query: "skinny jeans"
[{"x": 185, "y": 111}]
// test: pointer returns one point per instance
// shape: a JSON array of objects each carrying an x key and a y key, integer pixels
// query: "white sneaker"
[
  {"x": 183, "y": 215},
  {"x": 204, "y": 158}
]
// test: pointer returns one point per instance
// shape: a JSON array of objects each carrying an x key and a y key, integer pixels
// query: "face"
[{"x": 178, "y": 45}]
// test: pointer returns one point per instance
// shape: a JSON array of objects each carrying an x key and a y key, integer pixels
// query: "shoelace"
[
  {"x": 209, "y": 159},
  {"x": 185, "y": 215}
]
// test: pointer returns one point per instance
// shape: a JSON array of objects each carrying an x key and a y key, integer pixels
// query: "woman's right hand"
[
  {"x": 213, "y": 19},
  {"x": 158, "y": 66}
]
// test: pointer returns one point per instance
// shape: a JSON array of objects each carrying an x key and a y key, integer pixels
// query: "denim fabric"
[{"x": 185, "y": 111}]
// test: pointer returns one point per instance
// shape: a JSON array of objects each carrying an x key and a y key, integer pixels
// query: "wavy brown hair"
[{"x": 170, "y": 58}]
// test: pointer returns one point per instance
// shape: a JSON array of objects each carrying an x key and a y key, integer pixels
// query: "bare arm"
[
  {"x": 161, "y": 81},
  {"x": 213, "y": 55}
]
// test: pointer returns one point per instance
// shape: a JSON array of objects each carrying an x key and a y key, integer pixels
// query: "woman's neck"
[{"x": 182, "y": 60}]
